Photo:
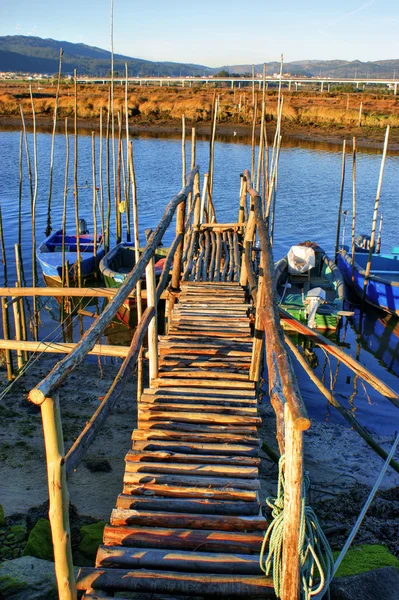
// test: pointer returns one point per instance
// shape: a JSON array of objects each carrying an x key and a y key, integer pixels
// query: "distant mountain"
[
  {"x": 36, "y": 55},
  {"x": 30, "y": 54}
]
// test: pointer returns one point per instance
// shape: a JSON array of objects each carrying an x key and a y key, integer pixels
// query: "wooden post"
[
  {"x": 21, "y": 303},
  {"x": 242, "y": 211},
  {"x": 58, "y": 497},
  {"x": 353, "y": 207},
  {"x": 6, "y": 333},
  {"x": 360, "y": 114},
  {"x": 94, "y": 207},
  {"x": 153, "y": 326},
  {"x": 75, "y": 186},
  {"x": 203, "y": 198},
  {"x": 18, "y": 329},
  {"x": 292, "y": 507},
  {"x": 259, "y": 333},
  {"x": 183, "y": 150},
  {"x": 375, "y": 215},
  {"x": 177, "y": 262},
  {"x": 249, "y": 236},
  {"x": 341, "y": 195}
]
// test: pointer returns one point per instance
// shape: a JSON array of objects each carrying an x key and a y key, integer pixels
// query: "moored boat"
[
  {"x": 50, "y": 256},
  {"x": 382, "y": 288},
  {"x": 115, "y": 268},
  {"x": 310, "y": 286}
]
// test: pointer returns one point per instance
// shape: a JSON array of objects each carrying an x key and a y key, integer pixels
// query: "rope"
[{"x": 313, "y": 548}]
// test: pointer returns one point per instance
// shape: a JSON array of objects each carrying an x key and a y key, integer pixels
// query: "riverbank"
[
  {"x": 308, "y": 117},
  {"x": 342, "y": 468}
]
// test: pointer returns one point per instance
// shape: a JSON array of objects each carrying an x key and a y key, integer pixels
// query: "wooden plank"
[
  {"x": 233, "y": 410},
  {"x": 183, "y": 539},
  {"x": 198, "y": 469},
  {"x": 193, "y": 401},
  {"x": 207, "y": 383},
  {"x": 196, "y": 505},
  {"x": 207, "y": 375},
  {"x": 178, "y": 491},
  {"x": 122, "y": 517},
  {"x": 190, "y": 480},
  {"x": 174, "y": 347},
  {"x": 196, "y": 447},
  {"x": 197, "y": 562},
  {"x": 178, "y": 457},
  {"x": 191, "y": 395},
  {"x": 208, "y": 434},
  {"x": 174, "y": 416},
  {"x": 166, "y": 582}
]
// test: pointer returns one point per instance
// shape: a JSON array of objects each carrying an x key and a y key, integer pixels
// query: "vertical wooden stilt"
[
  {"x": 6, "y": 333},
  {"x": 153, "y": 326},
  {"x": 58, "y": 498},
  {"x": 18, "y": 330},
  {"x": 292, "y": 507}
]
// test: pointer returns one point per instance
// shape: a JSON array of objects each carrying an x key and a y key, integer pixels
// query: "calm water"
[{"x": 307, "y": 200}]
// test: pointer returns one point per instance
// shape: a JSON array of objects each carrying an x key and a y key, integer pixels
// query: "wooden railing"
[
  {"x": 291, "y": 414},
  {"x": 45, "y": 395}
]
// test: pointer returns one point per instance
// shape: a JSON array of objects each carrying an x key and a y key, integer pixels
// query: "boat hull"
[{"x": 381, "y": 292}]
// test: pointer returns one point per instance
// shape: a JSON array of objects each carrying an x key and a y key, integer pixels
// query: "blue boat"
[
  {"x": 382, "y": 289},
  {"x": 49, "y": 255}
]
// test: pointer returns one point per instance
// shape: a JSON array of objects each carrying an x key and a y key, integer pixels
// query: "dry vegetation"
[{"x": 333, "y": 112}]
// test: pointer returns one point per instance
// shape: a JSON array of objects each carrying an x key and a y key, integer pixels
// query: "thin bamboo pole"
[
  {"x": 3, "y": 249},
  {"x": 6, "y": 333},
  {"x": 20, "y": 191},
  {"x": 33, "y": 211},
  {"x": 375, "y": 215},
  {"x": 254, "y": 117},
  {"x": 378, "y": 246},
  {"x": 64, "y": 210},
  {"x": 212, "y": 151},
  {"x": 21, "y": 308},
  {"x": 117, "y": 214},
  {"x": 108, "y": 176},
  {"x": 137, "y": 256},
  {"x": 153, "y": 325},
  {"x": 50, "y": 193},
  {"x": 127, "y": 199},
  {"x": 118, "y": 196},
  {"x": 101, "y": 153},
  {"x": 341, "y": 196},
  {"x": 183, "y": 150},
  {"x": 353, "y": 207},
  {"x": 75, "y": 185},
  {"x": 94, "y": 207},
  {"x": 58, "y": 497},
  {"x": 18, "y": 329}
]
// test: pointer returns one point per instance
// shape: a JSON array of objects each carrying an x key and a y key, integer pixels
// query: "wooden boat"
[
  {"x": 382, "y": 290},
  {"x": 310, "y": 286},
  {"x": 116, "y": 266},
  {"x": 49, "y": 256}
]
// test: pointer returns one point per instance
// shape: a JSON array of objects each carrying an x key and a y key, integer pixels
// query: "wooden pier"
[{"x": 188, "y": 519}]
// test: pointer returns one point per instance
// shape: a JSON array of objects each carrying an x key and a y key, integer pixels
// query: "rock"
[
  {"x": 39, "y": 542},
  {"x": 2, "y": 517},
  {"x": 379, "y": 583},
  {"x": 92, "y": 536},
  {"x": 98, "y": 465},
  {"x": 28, "y": 578}
]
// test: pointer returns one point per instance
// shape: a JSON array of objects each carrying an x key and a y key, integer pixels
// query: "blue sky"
[{"x": 216, "y": 32}]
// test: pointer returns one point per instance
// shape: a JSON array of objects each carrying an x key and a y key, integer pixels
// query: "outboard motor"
[
  {"x": 314, "y": 298},
  {"x": 83, "y": 227}
]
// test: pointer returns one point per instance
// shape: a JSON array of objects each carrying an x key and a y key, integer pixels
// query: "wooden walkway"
[{"x": 188, "y": 520}]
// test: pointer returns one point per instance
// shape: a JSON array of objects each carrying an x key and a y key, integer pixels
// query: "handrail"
[
  {"x": 56, "y": 376},
  {"x": 86, "y": 437},
  {"x": 269, "y": 311}
]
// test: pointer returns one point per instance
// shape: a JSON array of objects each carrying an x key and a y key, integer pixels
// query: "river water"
[{"x": 306, "y": 208}]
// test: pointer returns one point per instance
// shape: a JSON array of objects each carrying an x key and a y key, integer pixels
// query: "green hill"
[{"x": 30, "y": 54}]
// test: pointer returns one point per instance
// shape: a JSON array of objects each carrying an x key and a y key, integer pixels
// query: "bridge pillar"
[
  {"x": 322, "y": 86},
  {"x": 232, "y": 84},
  {"x": 395, "y": 89},
  {"x": 296, "y": 86},
  {"x": 289, "y": 85},
  {"x": 182, "y": 82},
  {"x": 357, "y": 85}
]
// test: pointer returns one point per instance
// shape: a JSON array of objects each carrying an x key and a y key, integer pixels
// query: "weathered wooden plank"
[
  {"x": 190, "y": 480},
  {"x": 196, "y": 447},
  {"x": 187, "y": 432},
  {"x": 166, "y": 582},
  {"x": 197, "y": 562},
  {"x": 183, "y": 539},
  {"x": 218, "y": 409},
  {"x": 206, "y": 383},
  {"x": 122, "y": 517},
  {"x": 207, "y": 506},
  {"x": 178, "y": 457},
  {"x": 185, "y": 417},
  {"x": 229, "y": 377},
  {"x": 178, "y": 491},
  {"x": 198, "y": 469}
]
